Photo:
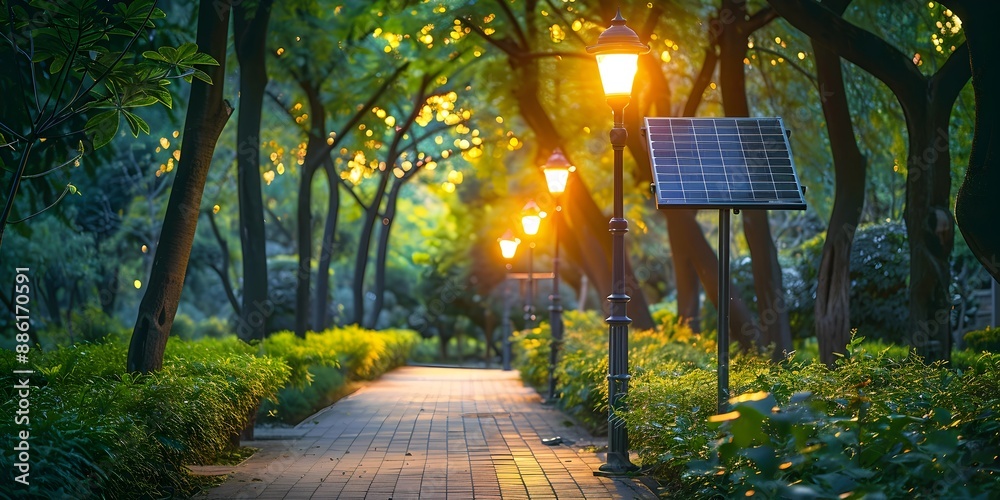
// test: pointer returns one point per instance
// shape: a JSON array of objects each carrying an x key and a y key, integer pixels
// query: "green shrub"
[
  {"x": 875, "y": 395},
  {"x": 802, "y": 451},
  {"x": 583, "y": 362},
  {"x": 879, "y": 276},
  {"x": 301, "y": 354},
  {"x": 212, "y": 327},
  {"x": 183, "y": 327},
  {"x": 97, "y": 431},
  {"x": 987, "y": 339},
  {"x": 324, "y": 363}
]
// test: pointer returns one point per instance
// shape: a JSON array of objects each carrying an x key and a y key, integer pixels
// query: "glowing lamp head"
[
  {"x": 508, "y": 244},
  {"x": 531, "y": 218},
  {"x": 557, "y": 170},
  {"x": 617, "y": 50}
]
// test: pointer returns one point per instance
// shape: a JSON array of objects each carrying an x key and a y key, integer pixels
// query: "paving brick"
[{"x": 427, "y": 433}]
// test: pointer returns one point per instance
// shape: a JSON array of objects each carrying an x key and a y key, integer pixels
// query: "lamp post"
[
  {"x": 557, "y": 170},
  {"x": 531, "y": 218},
  {"x": 617, "y": 52},
  {"x": 508, "y": 247}
]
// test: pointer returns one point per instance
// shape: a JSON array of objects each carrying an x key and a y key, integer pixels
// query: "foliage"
[
  {"x": 97, "y": 431},
  {"x": 323, "y": 364},
  {"x": 801, "y": 451},
  {"x": 300, "y": 354},
  {"x": 97, "y": 61},
  {"x": 879, "y": 280},
  {"x": 882, "y": 421},
  {"x": 987, "y": 339},
  {"x": 583, "y": 363},
  {"x": 854, "y": 433}
]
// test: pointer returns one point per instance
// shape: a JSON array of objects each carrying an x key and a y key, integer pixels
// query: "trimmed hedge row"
[
  {"x": 96, "y": 431},
  {"x": 325, "y": 363},
  {"x": 881, "y": 423}
]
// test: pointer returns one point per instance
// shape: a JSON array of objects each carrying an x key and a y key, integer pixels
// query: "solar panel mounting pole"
[{"x": 723, "y": 338}]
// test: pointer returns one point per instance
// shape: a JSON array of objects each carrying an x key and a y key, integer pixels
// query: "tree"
[
  {"x": 832, "y": 310},
  {"x": 73, "y": 64},
  {"x": 927, "y": 101},
  {"x": 206, "y": 116},
  {"x": 250, "y": 33},
  {"x": 977, "y": 192}
]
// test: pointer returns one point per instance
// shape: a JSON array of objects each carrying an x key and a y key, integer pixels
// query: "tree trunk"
[
  {"x": 930, "y": 231},
  {"x": 382, "y": 252},
  {"x": 364, "y": 246},
  {"x": 772, "y": 309},
  {"x": 206, "y": 116},
  {"x": 685, "y": 273},
  {"x": 978, "y": 192},
  {"x": 303, "y": 225},
  {"x": 318, "y": 150},
  {"x": 832, "y": 308},
  {"x": 591, "y": 248},
  {"x": 250, "y": 32},
  {"x": 372, "y": 211},
  {"x": 686, "y": 283},
  {"x": 706, "y": 265},
  {"x": 321, "y": 321}
]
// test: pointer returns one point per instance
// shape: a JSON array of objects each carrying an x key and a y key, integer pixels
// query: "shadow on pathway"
[{"x": 422, "y": 432}]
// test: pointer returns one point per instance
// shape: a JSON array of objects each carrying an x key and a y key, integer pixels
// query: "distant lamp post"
[
  {"x": 617, "y": 51},
  {"x": 531, "y": 219},
  {"x": 508, "y": 248},
  {"x": 557, "y": 170},
  {"x": 508, "y": 245}
]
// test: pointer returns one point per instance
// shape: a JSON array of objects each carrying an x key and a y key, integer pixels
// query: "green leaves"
[
  {"x": 181, "y": 61},
  {"x": 103, "y": 127}
]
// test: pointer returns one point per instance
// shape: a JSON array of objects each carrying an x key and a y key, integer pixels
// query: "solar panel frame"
[{"x": 739, "y": 163}]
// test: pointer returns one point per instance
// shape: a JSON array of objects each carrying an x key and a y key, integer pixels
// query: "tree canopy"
[{"x": 379, "y": 149}]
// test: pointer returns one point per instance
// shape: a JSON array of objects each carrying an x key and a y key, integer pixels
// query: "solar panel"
[{"x": 722, "y": 163}]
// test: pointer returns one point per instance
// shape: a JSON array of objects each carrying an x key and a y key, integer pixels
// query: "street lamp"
[
  {"x": 508, "y": 247},
  {"x": 557, "y": 170},
  {"x": 617, "y": 50},
  {"x": 531, "y": 218}
]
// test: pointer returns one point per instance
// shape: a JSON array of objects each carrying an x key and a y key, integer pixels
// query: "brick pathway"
[{"x": 422, "y": 432}]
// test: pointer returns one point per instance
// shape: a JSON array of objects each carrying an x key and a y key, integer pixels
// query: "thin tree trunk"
[
  {"x": 706, "y": 265},
  {"x": 250, "y": 32},
  {"x": 222, "y": 269},
  {"x": 304, "y": 219},
  {"x": 326, "y": 248},
  {"x": 382, "y": 253},
  {"x": 372, "y": 211},
  {"x": 303, "y": 232},
  {"x": 832, "y": 308},
  {"x": 207, "y": 114}
]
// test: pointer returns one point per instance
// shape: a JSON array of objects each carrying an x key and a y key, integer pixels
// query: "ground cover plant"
[{"x": 882, "y": 423}]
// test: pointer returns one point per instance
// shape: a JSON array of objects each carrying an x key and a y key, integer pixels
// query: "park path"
[{"x": 428, "y": 433}]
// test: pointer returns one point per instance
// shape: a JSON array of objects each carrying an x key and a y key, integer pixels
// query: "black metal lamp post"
[
  {"x": 531, "y": 218},
  {"x": 557, "y": 170},
  {"x": 508, "y": 247},
  {"x": 617, "y": 52}
]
